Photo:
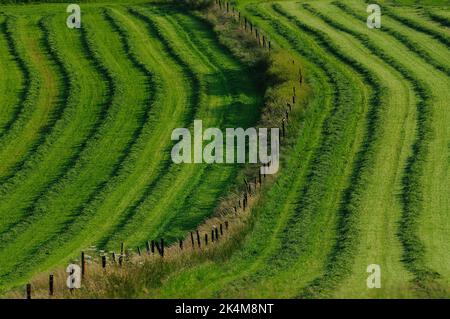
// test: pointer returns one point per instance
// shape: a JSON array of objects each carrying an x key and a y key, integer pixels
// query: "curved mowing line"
[
  {"x": 443, "y": 21},
  {"x": 68, "y": 230},
  {"x": 9, "y": 233},
  {"x": 135, "y": 216},
  {"x": 133, "y": 210},
  {"x": 24, "y": 67},
  {"x": 195, "y": 201},
  {"x": 294, "y": 244},
  {"x": 57, "y": 115},
  {"x": 42, "y": 126},
  {"x": 414, "y": 249},
  {"x": 347, "y": 233},
  {"x": 22, "y": 94},
  {"x": 38, "y": 252},
  {"x": 411, "y": 45},
  {"x": 165, "y": 166},
  {"x": 414, "y": 24}
]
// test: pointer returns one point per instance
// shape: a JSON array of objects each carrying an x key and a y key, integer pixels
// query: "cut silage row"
[
  {"x": 412, "y": 196},
  {"x": 436, "y": 17},
  {"x": 132, "y": 221},
  {"x": 26, "y": 127},
  {"x": 412, "y": 45},
  {"x": 116, "y": 135},
  {"x": 340, "y": 258},
  {"x": 217, "y": 73},
  {"x": 420, "y": 25},
  {"x": 12, "y": 86}
]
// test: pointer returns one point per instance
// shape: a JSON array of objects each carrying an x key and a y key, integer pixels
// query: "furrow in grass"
[
  {"x": 13, "y": 84},
  {"x": 412, "y": 196}
]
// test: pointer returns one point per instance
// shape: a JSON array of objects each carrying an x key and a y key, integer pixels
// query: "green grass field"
[{"x": 86, "y": 117}]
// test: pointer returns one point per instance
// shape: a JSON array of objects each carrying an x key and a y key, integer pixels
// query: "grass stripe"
[
  {"x": 12, "y": 85},
  {"x": 46, "y": 216},
  {"x": 412, "y": 196}
]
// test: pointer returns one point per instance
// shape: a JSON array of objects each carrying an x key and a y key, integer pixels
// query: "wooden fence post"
[
  {"x": 121, "y": 248},
  {"x": 83, "y": 265},
  {"x": 217, "y": 233},
  {"x": 139, "y": 251},
  {"x": 50, "y": 285},
  {"x": 206, "y": 239},
  {"x": 147, "y": 247},
  {"x": 198, "y": 240},
  {"x": 162, "y": 247},
  {"x": 28, "y": 291},
  {"x": 181, "y": 244},
  {"x": 153, "y": 247},
  {"x": 104, "y": 262},
  {"x": 226, "y": 224},
  {"x": 120, "y": 260},
  {"x": 114, "y": 257},
  {"x": 192, "y": 240},
  {"x": 212, "y": 235},
  {"x": 221, "y": 229}
]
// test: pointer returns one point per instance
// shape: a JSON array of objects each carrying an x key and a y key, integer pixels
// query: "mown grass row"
[
  {"x": 14, "y": 85},
  {"x": 341, "y": 256},
  {"x": 412, "y": 196},
  {"x": 80, "y": 228},
  {"x": 42, "y": 210},
  {"x": 410, "y": 44},
  {"x": 49, "y": 43},
  {"x": 196, "y": 89},
  {"x": 29, "y": 94},
  {"x": 442, "y": 20},
  {"x": 417, "y": 25}
]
